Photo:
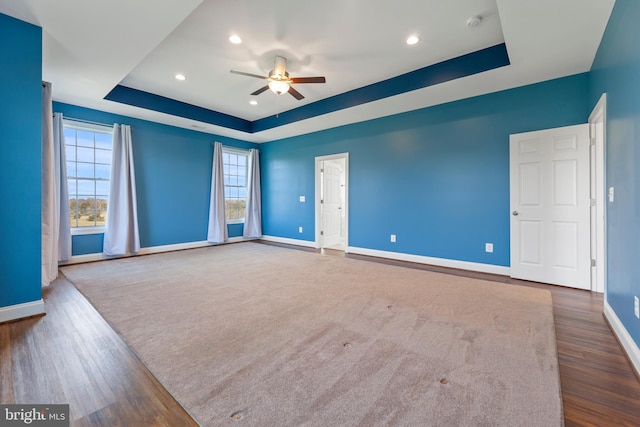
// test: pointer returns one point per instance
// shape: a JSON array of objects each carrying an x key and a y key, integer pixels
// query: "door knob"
[{"x": 515, "y": 213}]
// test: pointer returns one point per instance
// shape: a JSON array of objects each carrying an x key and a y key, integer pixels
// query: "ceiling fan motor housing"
[
  {"x": 279, "y": 69},
  {"x": 278, "y": 76}
]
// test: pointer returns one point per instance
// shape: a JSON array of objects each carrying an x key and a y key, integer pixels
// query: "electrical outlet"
[
  {"x": 393, "y": 238},
  {"x": 488, "y": 247},
  {"x": 636, "y": 307},
  {"x": 299, "y": 229},
  {"x": 303, "y": 199},
  {"x": 612, "y": 193}
]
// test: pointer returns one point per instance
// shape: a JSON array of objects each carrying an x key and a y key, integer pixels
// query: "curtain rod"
[
  {"x": 233, "y": 148},
  {"x": 86, "y": 121}
]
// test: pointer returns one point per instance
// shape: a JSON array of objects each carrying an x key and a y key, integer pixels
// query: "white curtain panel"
[
  {"x": 253, "y": 212},
  {"x": 217, "y": 231},
  {"x": 50, "y": 221},
  {"x": 62, "y": 190},
  {"x": 121, "y": 236},
  {"x": 56, "y": 233}
]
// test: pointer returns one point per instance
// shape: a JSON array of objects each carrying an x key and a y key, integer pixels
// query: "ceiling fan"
[{"x": 279, "y": 80}]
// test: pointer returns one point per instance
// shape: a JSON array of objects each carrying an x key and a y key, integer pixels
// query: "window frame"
[
  {"x": 95, "y": 128},
  {"x": 245, "y": 153}
]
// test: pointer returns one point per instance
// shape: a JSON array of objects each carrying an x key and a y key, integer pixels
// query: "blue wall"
[
  {"x": 438, "y": 178},
  {"x": 173, "y": 180},
  {"x": 20, "y": 161},
  {"x": 616, "y": 71}
]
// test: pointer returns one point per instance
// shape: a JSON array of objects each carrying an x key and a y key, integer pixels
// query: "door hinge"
[
  {"x": 321, "y": 201},
  {"x": 592, "y": 141},
  {"x": 322, "y": 170},
  {"x": 593, "y": 262},
  {"x": 593, "y": 202},
  {"x": 322, "y": 233}
]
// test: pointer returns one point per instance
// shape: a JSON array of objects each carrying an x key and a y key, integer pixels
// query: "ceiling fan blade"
[
  {"x": 308, "y": 80},
  {"x": 248, "y": 74},
  {"x": 297, "y": 95},
  {"x": 259, "y": 91}
]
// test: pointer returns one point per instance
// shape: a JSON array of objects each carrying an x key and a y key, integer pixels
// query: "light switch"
[{"x": 611, "y": 194}]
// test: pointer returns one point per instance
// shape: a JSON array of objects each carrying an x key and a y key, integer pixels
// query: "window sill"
[{"x": 81, "y": 231}]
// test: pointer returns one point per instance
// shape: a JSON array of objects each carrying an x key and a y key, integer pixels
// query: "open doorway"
[{"x": 332, "y": 197}]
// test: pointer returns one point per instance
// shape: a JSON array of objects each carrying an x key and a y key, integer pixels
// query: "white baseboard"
[
  {"x": 462, "y": 265},
  {"x": 78, "y": 259},
  {"x": 441, "y": 262},
  {"x": 288, "y": 241},
  {"x": 18, "y": 311},
  {"x": 629, "y": 346}
]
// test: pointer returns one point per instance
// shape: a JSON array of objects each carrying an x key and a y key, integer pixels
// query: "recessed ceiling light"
[
  {"x": 235, "y": 39},
  {"x": 180, "y": 77},
  {"x": 253, "y": 102},
  {"x": 411, "y": 40}
]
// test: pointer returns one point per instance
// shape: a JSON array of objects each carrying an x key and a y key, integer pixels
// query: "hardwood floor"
[{"x": 73, "y": 356}]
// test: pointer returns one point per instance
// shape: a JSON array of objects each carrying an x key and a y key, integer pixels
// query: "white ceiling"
[{"x": 89, "y": 47}]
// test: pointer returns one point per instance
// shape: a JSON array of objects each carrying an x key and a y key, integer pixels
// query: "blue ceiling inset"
[
  {"x": 150, "y": 101},
  {"x": 462, "y": 66}
]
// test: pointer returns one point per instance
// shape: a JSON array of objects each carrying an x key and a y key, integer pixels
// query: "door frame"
[
  {"x": 598, "y": 167},
  {"x": 318, "y": 180}
]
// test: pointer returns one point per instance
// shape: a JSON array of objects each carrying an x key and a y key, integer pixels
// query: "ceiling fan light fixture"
[
  {"x": 278, "y": 87},
  {"x": 235, "y": 39},
  {"x": 279, "y": 81}
]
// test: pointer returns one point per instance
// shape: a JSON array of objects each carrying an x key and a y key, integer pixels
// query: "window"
[
  {"x": 88, "y": 152},
  {"x": 235, "y": 184}
]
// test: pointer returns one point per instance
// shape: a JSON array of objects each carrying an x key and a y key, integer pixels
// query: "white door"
[
  {"x": 331, "y": 204},
  {"x": 550, "y": 206}
]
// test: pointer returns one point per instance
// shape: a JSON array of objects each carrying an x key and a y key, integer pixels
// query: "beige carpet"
[{"x": 257, "y": 335}]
